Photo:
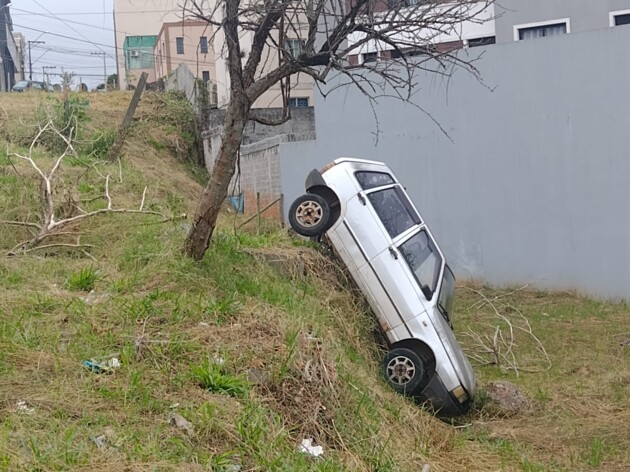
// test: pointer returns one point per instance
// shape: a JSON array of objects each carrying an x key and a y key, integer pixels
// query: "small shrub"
[
  {"x": 99, "y": 146},
  {"x": 211, "y": 376},
  {"x": 83, "y": 280}
]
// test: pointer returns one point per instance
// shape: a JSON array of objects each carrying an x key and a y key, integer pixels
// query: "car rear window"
[
  {"x": 394, "y": 209},
  {"x": 369, "y": 180}
]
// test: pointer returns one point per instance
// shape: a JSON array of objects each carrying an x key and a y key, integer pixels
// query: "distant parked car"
[
  {"x": 24, "y": 85},
  {"x": 365, "y": 214}
]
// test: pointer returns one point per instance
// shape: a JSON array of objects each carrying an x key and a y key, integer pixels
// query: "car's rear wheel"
[
  {"x": 309, "y": 215},
  {"x": 405, "y": 371}
]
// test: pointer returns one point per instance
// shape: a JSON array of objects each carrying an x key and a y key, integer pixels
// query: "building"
[
  {"x": 185, "y": 42},
  {"x": 504, "y": 22},
  {"x": 20, "y": 67},
  {"x": 138, "y": 58},
  {"x": 8, "y": 49},
  {"x": 180, "y": 41},
  {"x": 528, "y": 19},
  {"x": 139, "y": 20}
]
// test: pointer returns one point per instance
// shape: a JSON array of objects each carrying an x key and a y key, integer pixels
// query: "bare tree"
[
  {"x": 51, "y": 225},
  {"x": 333, "y": 36}
]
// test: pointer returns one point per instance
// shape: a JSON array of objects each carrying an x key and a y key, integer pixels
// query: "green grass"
[
  {"x": 84, "y": 280},
  {"x": 267, "y": 303},
  {"x": 211, "y": 376}
]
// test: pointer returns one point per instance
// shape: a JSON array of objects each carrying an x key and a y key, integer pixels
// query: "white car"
[{"x": 365, "y": 214}]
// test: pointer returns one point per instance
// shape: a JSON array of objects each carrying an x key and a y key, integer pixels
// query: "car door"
[{"x": 395, "y": 217}]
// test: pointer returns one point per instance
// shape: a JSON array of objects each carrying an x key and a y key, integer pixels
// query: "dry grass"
[{"x": 277, "y": 311}]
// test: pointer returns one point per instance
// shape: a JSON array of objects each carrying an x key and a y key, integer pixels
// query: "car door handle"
[
  {"x": 393, "y": 252},
  {"x": 361, "y": 198}
]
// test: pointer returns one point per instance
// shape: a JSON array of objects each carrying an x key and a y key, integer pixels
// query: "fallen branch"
[
  {"x": 497, "y": 345},
  {"x": 51, "y": 226}
]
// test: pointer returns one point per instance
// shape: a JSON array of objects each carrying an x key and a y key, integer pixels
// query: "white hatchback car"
[{"x": 363, "y": 211}]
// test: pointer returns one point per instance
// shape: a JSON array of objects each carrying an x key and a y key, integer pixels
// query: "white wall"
[{"x": 534, "y": 186}]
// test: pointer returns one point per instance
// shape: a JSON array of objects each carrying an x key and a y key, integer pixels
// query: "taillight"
[{"x": 327, "y": 167}]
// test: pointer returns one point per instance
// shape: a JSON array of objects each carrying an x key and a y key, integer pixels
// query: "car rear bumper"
[{"x": 442, "y": 401}]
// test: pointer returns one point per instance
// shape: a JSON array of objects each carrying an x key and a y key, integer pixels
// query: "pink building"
[{"x": 185, "y": 42}]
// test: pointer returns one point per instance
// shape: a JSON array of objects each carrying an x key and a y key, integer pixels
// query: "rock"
[
  {"x": 180, "y": 422},
  {"x": 507, "y": 398},
  {"x": 100, "y": 441},
  {"x": 257, "y": 376}
]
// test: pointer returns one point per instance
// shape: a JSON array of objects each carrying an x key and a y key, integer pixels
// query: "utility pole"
[
  {"x": 30, "y": 63},
  {"x": 46, "y": 76},
  {"x": 102, "y": 53}
]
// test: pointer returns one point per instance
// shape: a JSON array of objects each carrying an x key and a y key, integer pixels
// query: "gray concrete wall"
[
  {"x": 585, "y": 15},
  {"x": 183, "y": 80},
  {"x": 301, "y": 125},
  {"x": 533, "y": 187}
]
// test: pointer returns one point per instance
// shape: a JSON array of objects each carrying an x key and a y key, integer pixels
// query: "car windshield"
[
  {"x": 424, "y": 260},
  {"x": 447, "y": 294}
]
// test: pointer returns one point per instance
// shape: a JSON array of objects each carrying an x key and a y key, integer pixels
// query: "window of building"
[
  {"x": 618, "y": 18},
  {"x": 541, "y": 30},
  {"x": 294, "y": 47},
  {"x": 298, "y": 101},
  {"x": 485, "y": 41},
  {"x": 179, "y": 43},
  {"x": 205, "y": 75},
  {"x": 369, "y": 57},
  {"x": 203, "y": 45}
]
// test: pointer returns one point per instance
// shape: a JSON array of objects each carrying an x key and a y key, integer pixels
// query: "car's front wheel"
[
  {"x": 405, "y": 371},
  {"x": 309, "y": 215}
]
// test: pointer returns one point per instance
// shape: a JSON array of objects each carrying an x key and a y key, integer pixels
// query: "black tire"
[
  {"x": 309, "y": 215},
  {"x": 405, "y": 371}
]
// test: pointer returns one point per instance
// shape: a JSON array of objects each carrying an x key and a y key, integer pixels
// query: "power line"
[
  {"x": 99, "y": 13},
  {"x": 126, "y": 33},
  {"x": 68, "y": 21},
  {"x": 63, "y": 36},
  {"x": 68, "y": 25}
]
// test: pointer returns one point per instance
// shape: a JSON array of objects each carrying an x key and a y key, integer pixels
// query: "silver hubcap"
[
  {"x": 309, "y": 213},
  {"x": 400, "y": 370}
]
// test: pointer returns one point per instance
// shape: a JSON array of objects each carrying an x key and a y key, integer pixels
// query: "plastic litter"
[
  {"x": 94, "y": 298},
  {"x": 237, "y": 202},
  {"x": 22, "y": 407},
  {"x": 100, "y": 441},
  {"x": 307, "y": 447},
  {"x": 107, "y": 367},
  {"x": 180, "y": 422}
]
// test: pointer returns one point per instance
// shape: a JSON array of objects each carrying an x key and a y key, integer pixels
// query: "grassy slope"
[{"x": 304, "y": 338}]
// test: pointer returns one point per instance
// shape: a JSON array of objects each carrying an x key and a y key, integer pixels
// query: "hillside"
[{"x": 262, "y": 344}]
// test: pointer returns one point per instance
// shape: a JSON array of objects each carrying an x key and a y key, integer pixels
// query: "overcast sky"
[{"x": 72, "y": 30}]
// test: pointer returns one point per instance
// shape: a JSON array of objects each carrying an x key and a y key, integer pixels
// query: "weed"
[
  {"x": 84, "y": 280},
  {"x": 99, "y": 145},
  {"x": 223, "y": 309},
  {"x": 542, "y": 395},
  {"x": 212, "y": 376},
  {"x": 595, "y": 454}
]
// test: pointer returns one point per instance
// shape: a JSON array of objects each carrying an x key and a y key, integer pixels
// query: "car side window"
[
  {"x": 394, "y": 209},
  {"x": 423, "y": 258},
  {"x": 369, "y": 180}
]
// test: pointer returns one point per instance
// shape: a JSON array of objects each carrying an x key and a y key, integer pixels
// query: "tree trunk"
[{"x": 215, "y": 193}]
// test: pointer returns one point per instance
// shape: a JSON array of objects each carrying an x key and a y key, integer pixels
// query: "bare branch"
[{"x": 20, "y": 223}]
